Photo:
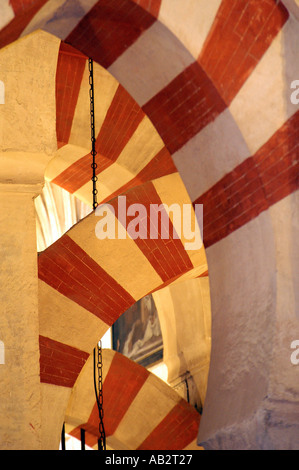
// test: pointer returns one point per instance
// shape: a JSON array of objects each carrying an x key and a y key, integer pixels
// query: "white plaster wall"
[
  {"x": 151, "y": 63},
  {"x": 285, "y": 375},
  {"x": 252, "y": 400},
  {"x": 243, "y": 302},
  {"x": 195, "y": 20}
]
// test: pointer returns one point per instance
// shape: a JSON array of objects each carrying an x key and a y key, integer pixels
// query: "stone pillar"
[
  {"x": 27, "y": 143},
  {"x": 20, "y": 404}
]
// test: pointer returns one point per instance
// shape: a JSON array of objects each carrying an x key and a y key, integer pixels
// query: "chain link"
[
  {"x": 97, "y": 353},
  {"x": 93, "y": 138},
  {"x": 98, "y": 367}
]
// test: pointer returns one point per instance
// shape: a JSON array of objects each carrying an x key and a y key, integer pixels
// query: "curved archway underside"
[
  {"x": 94, "y": 281},
  {"x": 131, "y": 394}
]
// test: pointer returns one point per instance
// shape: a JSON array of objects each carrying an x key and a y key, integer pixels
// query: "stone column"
[
  {"x": 20, "y": 404},
  {"x": 27, "y": 143}
]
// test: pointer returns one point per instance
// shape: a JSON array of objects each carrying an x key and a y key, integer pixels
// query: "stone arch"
[
  {"x": 138, "y": 389},
  {"x": 93, "y": 282}
]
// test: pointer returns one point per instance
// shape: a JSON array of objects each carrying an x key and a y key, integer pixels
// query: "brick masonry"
[
  {"x": 161, "y": 165},
  {"x": 70, "y": 68},
  {"x": 120, "y": 123},
  {"x": 242, "y": 32},
  {"x": 109, "y": 29},
  {"x": 14, "y": 29},
  {"x": 175, "y": 431},
  {"x": 168, "y": 256},
  {"x": 254, "y": 185},
  {"x": 67, "y": 268},
  {"x": 184, "y": 107},
  {"x": 60, "y": 364},
  {"x": 124, "y": 380}
]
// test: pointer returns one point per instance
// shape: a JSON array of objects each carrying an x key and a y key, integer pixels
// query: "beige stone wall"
[
  {"x": 27, "y": 143},
  {"x": 19, "y": 328},
  {"x": 28, "y": 69}
]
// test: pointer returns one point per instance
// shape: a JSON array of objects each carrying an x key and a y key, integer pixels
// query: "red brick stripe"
[
  {"x": 121, "y": 385},
  {"x": 122, "y": 119},
  {"x": 79, "y": 173},
  {"x": 19, "y": 6},
  {"x": 152, "y": 6},
  {"x": 91, "y": 430},
  {"x": 67, "y": 268},
  {"x": 167, "y": 256},
  {"x": 60, "y": 364},
  {"x": 70, "y": 68},
  {"x": 242, "y": 32},
  {"x": 109, "y": 29},
  {"x": 184, "y": 107},
  {"x": 254, "y": 185},
  {"x": 161, "y": 165},
  {"x": 14, "y": 29},
  {"x": 205, "y": 274},
  {"x": 176, "y": 430}
]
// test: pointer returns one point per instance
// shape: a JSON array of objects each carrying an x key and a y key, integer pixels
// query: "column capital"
[
  {"x": 34, "y": 189},
  {"x": 22, "y": 172}
]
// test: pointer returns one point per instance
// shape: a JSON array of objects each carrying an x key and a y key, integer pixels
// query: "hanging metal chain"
[
  {"x": 98, "y": 386},
  {"x": 97, "y": 352},
  {"x": 93, "y": 138}
]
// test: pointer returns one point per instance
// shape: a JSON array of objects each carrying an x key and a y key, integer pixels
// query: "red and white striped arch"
[
  {"x": 94, "y": 281},
  {"x": 188, "y": 95},
  {"x": 214, "y": 83},
  {"x": 85, "y": 284},
  {"x": 130, "y": 393},
  {"x": 122, "y": 129}
]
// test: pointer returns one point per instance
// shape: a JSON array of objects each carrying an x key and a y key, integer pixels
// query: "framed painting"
[{"x": 137, "y": 333}]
